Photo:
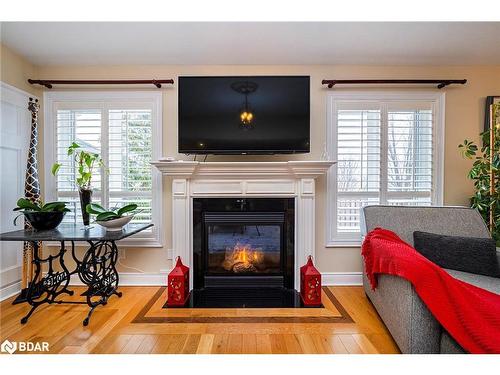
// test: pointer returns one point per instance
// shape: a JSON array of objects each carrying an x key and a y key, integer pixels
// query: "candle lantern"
[
  {"x": 178, "y": 285},
  {"x": 310, "y": 284}
]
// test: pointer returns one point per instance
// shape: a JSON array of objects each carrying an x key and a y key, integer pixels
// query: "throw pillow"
[{"x": 467, "y": 254}]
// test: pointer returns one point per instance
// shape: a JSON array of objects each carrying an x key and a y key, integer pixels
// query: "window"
[
  {"x": 388, "y": 148},
  {"x": 125, "y": 129}
]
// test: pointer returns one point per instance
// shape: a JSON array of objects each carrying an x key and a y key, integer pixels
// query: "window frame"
[
  {"x": 437, "y": 98},
  {"x": 105, "y": 100}
]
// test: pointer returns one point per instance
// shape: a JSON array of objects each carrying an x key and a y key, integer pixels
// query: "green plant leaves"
[
  {"x": 55, "y": 168},
  {"x": 26, "y": 204},
  {"x": 108, "y": 215},
  {"x": 128, "y": 208},
  {"x": 72, "y": 148},
  {"x": 483, "y": 200},
  {"x": 95, "y": 209},
  {"x": 86, "y": 162},
  {"x": 55, "y": 206},
  {"x": 103, "y": 215}
]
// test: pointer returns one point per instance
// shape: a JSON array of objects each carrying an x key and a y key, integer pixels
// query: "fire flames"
[{"x": 242, "y": 258}]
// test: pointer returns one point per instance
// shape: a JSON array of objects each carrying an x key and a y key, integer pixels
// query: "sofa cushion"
[
  {"x": 467, "y": 254},
  {"x": 491, "y": 284}
]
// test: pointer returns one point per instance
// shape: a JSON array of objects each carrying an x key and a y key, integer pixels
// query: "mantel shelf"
[{"x": 266, "y": 170}]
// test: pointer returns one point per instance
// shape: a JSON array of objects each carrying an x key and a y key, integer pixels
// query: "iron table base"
[{"x": 97, "y": 270}]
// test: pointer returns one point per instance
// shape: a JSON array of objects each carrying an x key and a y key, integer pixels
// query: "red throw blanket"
[{"x": 471, "y": 315}]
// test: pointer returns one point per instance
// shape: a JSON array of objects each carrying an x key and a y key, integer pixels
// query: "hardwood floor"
[{"x": 112, "y": 328}]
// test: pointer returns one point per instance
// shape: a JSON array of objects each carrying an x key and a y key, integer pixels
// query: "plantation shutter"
[
  {"x": 358, "y": 156},
  {"x": 410, "y": 153},
  {"x": 130, "y": 151},
  {"x": 84, "y": 127},
  {"x": 123, "y": 138},
  {"x": 385, "y": 152}
]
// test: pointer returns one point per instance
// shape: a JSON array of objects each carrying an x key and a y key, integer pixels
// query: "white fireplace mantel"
[{"x": 193, "y": 179}]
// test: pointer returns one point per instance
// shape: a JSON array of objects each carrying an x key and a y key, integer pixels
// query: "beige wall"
[
  {"x": 464, "y": 119},
  {"x": 15, "y": 71}
]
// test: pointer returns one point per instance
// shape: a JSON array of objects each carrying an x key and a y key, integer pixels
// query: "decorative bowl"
[
  {"x": 115, "y": 225},
  {"x": 44, "y": 220}
]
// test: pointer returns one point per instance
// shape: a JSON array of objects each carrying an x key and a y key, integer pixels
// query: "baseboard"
[
  {"x": 133, "y": 279},
  {"x": 158, "y": 279},
  {"x": 10, "y": 290},
  {"x": 341, "y": 278}
]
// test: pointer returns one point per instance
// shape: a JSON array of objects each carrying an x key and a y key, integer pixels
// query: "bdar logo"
[{"x": 8, "y": 347}]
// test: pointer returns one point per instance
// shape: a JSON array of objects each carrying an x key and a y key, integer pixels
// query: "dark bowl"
[{"x": 44, "y": 220}]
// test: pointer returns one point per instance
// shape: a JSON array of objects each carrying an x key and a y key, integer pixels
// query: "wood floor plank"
[
  {"x": 113, "y": 328},
  {"x": 161, "y": 344},
  {"x": 191, "y": 344},
  {"x": 133, "y": 344},
  {"x": 220, "y": 344},
  {"x": 336, "y": 344},
  {"x": 249, "y": 344},
  {"x": 278, "y": 345},
  {"x": 263, "y": 344},
  {"x": 206, "y": 343},
  {"x": 117, "y": 344},
  {"x": 147, "y": 344},
  {"x": 350, "y": 344},
  {"x": 292, "y": 344},
  {"x": 365, "y": 344},
  {"x": 235, "y": 344}
]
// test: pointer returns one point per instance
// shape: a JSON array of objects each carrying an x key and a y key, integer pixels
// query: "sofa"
[{"x": 410, "y": 323}]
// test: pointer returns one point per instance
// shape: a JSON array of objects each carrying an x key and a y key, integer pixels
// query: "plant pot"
[
  {"x": 44, "y": 220},
  {"x": 115, "y": 225},
  {"x": 85, "y": 199}
]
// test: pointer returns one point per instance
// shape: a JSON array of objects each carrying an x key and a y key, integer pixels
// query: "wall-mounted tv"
[{"x": 244, "y": 115}]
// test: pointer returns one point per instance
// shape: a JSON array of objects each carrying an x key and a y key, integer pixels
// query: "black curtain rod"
[
  {"x": 49, "y": 82},
  {"x": 440, "y": 82}
]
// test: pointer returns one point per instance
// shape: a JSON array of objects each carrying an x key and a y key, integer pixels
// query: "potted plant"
[
  {"x": 485, "y": 173},
  {"x": 112, "y": 219},
  {"x": 85, "y": 163},
  {"x": 41, "y": 216}
]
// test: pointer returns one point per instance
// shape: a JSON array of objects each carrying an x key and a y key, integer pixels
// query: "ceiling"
[{"x": 198, "y": 43}]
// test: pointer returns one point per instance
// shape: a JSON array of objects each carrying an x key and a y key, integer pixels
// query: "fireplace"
[{"x": 243, "y": 243}]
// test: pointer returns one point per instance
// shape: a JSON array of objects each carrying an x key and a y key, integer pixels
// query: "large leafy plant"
[
  {"x": 85, "y": 161},
  {"x": 25, "y": 205},
  {"x": 104, "y": 215},
  {"x": 482, "y": 199}
]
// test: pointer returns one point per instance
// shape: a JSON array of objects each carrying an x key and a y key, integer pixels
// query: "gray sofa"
[{"x": 410, "y": 322}]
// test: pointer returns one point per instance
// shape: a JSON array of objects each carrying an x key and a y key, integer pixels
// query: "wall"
[
  {"x": 464, "y": 119},
  {"x": 14, "y": 139},
  {"x": 15, "y": 70}
]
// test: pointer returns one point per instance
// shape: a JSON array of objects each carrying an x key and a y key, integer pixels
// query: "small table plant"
[
  {"x": 86, "y": 163},
  {"x": 113, "y": 219},
  {"x": 41, "y": 216}
]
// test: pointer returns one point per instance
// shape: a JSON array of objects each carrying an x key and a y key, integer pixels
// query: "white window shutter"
[{"x": 385, "y": 147}]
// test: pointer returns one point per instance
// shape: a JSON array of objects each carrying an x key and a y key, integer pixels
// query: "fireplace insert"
[{"x": 243, "y": 243}]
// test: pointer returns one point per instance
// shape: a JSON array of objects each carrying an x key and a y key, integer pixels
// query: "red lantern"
[
  {"x": 310, "y": 284},
  {"x": 178, "y": 284}
]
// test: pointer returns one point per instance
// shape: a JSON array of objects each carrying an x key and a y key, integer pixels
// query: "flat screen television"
[{"x": 244, "y": 115}]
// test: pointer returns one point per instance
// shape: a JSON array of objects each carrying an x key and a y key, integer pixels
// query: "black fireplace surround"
[{"x": 243, "y": 243}]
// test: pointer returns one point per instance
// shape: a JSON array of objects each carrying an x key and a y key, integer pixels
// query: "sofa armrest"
[{"x": 409, "y": 321}]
